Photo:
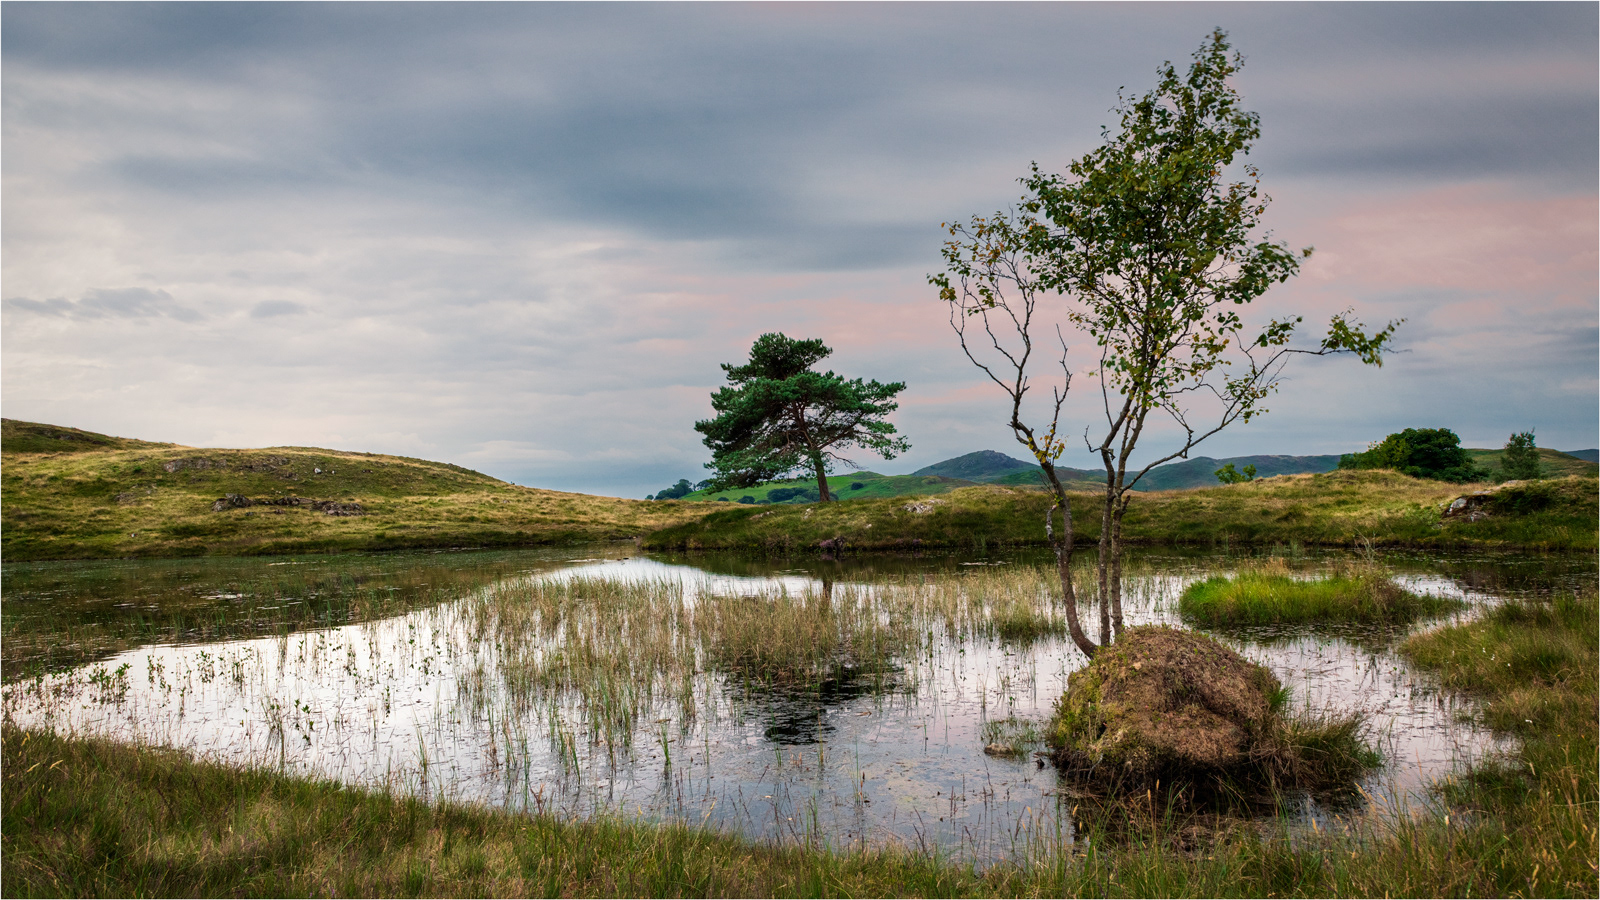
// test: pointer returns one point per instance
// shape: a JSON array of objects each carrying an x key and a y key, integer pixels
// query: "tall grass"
[{"x": 805, "y": 642}]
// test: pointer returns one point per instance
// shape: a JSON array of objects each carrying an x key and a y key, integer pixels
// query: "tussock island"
[{"x": 72, "y": 494}]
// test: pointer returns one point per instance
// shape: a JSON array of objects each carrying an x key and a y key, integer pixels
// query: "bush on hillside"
[
  {"x": 682, "y": 489},
  {"x": 1521, "y": 458},
  {"x": 1434, "y": 453}
]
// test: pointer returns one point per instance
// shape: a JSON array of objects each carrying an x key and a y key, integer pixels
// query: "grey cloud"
[
  {"x": 268, "y": 309},
  {"x": 715, "y": 123},
  {"x": 103, "y": 303}
]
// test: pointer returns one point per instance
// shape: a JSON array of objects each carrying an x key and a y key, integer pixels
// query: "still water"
[{"x": 449, "y": 688}]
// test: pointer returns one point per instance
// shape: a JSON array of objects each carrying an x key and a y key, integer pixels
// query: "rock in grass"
[{"x": 1162, "y": 702}]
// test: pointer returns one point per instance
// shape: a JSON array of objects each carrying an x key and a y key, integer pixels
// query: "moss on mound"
[
  {"x": 1162, "y": 700},
  {"x": 1166, "y": 704}
]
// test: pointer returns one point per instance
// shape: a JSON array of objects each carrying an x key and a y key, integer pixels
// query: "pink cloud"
[{"x": 1478, "y": 238}]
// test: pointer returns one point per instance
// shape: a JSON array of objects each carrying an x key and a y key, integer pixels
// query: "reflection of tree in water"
[{"x": 800, "y": 717}]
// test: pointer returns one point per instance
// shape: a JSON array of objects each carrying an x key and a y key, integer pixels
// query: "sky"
[{"x": 523, "y": 238}]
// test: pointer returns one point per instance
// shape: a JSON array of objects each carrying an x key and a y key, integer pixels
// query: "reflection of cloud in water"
[{"x": 696, "y": 582}]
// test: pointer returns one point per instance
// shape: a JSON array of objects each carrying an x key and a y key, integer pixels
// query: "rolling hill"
[{"x": 72, "y": 494}]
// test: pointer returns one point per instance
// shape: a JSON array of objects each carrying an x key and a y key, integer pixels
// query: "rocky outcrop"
[
  {"x": 201, "y": 463},
  {"x": 326, "y": 507},
  {"x": 1479, "y": 504}
]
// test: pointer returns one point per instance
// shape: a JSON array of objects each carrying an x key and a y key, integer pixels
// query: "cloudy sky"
[{"x": 521, "y": 238}]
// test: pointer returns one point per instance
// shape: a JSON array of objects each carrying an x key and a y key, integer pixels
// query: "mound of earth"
[{"x": 1160, "y": 702}]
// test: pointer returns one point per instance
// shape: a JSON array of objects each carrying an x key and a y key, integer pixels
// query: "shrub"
[
  {"x": 781, "y": 495},
  {"x": 1229, "y": 475},
  {"x": 1421, "y": 453},
  {"x": 1521, "y": 458},
  {"x": 681, "y": 489}
]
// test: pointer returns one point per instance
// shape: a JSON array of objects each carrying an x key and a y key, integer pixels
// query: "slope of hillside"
[
  {"x": 847, "y": 486},
  {"x": 69, "y": 494},
  {"x": 1201, "y": 471},
  {"x": 1556, "y": 464}
]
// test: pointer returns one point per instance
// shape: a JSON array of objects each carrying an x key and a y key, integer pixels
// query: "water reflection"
[{"x": 428, "y": 700}]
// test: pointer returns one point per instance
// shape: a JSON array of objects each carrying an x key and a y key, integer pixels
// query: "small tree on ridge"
[{"x": 778, "y": 415}]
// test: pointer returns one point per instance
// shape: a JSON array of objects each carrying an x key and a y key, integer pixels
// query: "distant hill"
[
  {"x": 982, "y": 466},
  {"x": 1585, "y": 455}
]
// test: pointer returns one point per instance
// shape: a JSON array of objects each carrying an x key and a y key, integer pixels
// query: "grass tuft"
[{"x": 1268, "y": 594}]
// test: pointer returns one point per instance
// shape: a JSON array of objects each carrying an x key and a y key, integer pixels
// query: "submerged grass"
[
  {"x": 808, "y": 642},
  {"x": 1267, "y": 594}
]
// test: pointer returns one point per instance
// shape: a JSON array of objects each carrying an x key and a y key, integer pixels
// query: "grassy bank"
[
  {"x": 1268, "y": 595},
  {"x": 88, "y": 817},
  {"x": 77, "y": 495},
  {"x": 1346, "y": 508}
]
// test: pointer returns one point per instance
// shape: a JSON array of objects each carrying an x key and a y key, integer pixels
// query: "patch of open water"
[{"x": 390, "y": 703}]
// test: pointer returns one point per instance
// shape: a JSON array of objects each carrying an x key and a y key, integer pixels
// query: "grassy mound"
[
  {"x": 1269, "y": 595},
  {"x": 1165, "y": 704},
  {"x": 76, "y": 495}
]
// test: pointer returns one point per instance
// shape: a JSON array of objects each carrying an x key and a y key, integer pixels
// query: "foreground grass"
[
  {"x": 1346, "y": 508},
  {"x": 1269, "y": 595},
  {"x": 88, "y": 496}
]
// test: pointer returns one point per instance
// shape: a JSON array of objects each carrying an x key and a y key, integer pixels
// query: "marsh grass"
[
  {"x": 1532, "y": 662},
  {"x": 1011, "y": 736},
  {"x": 804, "y": 642},
  {"x": 92, "y": 817},
  {"x": 1267, "y": 593}
]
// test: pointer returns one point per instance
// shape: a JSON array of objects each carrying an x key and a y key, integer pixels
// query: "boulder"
[
  {"x": 1162, "y": 702},
  {"x": 232, "y": 501},
  {"x": 337, "y": 508}
]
